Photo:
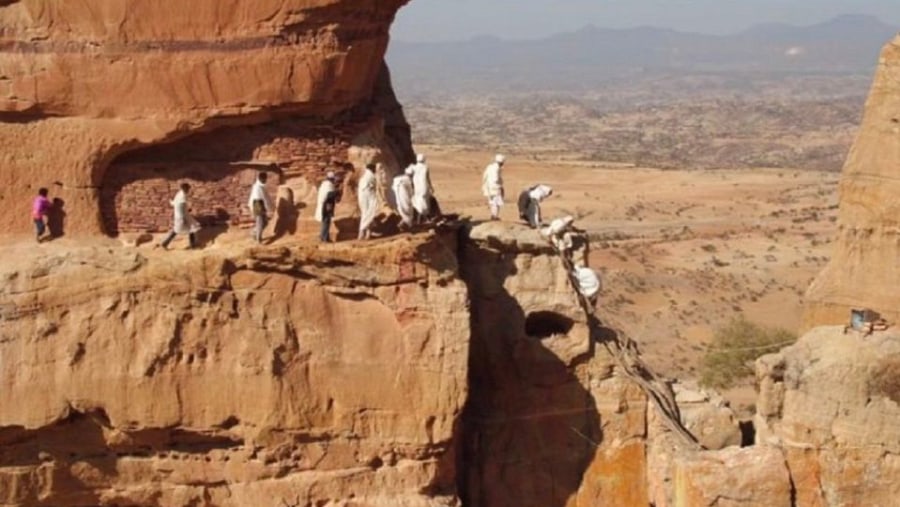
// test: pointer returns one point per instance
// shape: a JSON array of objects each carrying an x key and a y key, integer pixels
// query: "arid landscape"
[
  {"x": 681, "y": 252},
  {"x": 462, "y": 363}
]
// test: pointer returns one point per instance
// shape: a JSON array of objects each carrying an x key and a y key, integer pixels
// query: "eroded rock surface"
[
  {"x": 269, "y": 377},
  {"x": 111, "y": 103},
  {"x": 864, "y": 271}
]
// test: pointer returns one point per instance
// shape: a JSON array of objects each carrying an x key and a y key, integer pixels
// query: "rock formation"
[
  {"x": 271, "y": 377},
  {"x": 110, "y": 103},
  {"x": 864, "y": 271}
]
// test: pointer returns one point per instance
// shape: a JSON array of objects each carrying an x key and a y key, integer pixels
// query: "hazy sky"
[{"x": 463, "y": 19}]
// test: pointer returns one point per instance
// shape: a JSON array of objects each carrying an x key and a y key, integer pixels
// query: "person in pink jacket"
[{"x": 39, "y": 210}]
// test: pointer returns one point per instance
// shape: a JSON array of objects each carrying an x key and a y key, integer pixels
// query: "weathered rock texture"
[
  {"x": 864, "y": 271},
  {"x": 548, "y": 423},
  {"x": 831, "y": 404},
  {"x": 271, "y": 377},
  {"x": 111, "y": 103}
]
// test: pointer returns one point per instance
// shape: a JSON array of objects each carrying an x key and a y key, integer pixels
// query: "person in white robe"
[
  {"x": 260, "y": 204},
  {"x": 588, "y": 282},
  {"x": 403, "y": 192},
  {"x": 183, "y": 222},
  {"x": 560, "y": 235},
  {"x": 368, "y": 201},
  {"x": 422, "y": 189},
  {"x": 492, "y": 185},
  {"x": 325, "y": 202},
  {"x": 530, "y": 204}
]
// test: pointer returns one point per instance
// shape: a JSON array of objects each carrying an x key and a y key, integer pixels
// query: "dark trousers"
[
  {"x": 532, "y": 210},
  {"x": 39, "y": 226},
  {"x": 192, "y": 239},
  {"x": 325, "y": 231}
]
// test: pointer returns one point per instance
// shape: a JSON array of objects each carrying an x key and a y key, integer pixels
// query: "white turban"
[
  {"x": 420, "y": 158},
  {"x": 410, "y": 171},
  {"x": 330, "y": 175},
  {"x": 500, "y": 159}
]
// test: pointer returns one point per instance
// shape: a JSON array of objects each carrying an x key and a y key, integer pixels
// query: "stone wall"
[{"x": 221, "y": 165}]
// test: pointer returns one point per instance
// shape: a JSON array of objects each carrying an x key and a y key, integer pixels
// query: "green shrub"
[{"x": 735, "y": 347}]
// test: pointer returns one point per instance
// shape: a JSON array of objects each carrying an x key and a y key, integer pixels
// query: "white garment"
[
  {"x": 588, "y": 281},
  {"x": 492, "y": 181},
  {"x": 422, "y": 189},
  {"x": 540, "y": 192},
  {"x": 403, "y": 192},
  {"x": 325, "y": 188},
  {"x": 368, "y": 200},
  {"x": 258, "y": 193},
  {"x": 183, "y": 223}
]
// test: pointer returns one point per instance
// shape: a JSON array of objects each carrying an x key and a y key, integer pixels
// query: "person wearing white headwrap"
[
  {"x": 368, "y": 201},
  {"x": 492, "y": 185},
  {"x": 530, "y": 204},
  {"x": 325, "y": 203},
  {"x": 588, "y": 282},
  {"x": 402, "y": 187},
  {"x": 558, "y": 232},
  {"x": 422, "y": 189}
]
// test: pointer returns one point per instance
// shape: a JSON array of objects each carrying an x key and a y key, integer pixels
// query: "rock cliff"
[
  {"x": 110, "y": 103},
  {"x": 864, "y": 271},
  {"x": 284, "y": 376}
]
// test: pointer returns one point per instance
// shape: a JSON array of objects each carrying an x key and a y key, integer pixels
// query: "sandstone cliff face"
[
  {"x": 864, "y": 271},
  {"x": 270, "y": 377},
  {"x": 548, "y": 423},
  {"x": 94, "y": 94}
]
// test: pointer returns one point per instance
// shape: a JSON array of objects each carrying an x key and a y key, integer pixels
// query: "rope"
[
  {"x": 776, "y": 346},
  {"x": 625, "y": 352}
]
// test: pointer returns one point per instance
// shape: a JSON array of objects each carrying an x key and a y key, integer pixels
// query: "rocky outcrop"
[
  {"x": 831, "y": 404},
  {"x": 548, "y": 422},
  {"x": 268, "y": 377},
  {"x": 863, "y": 271},
  {"x": 111, "y": 103}
]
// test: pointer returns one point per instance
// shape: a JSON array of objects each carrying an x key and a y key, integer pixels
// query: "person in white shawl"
[
  {"x": 403, "y": 191},
  {"x": 183, "y": 222},
  {"x": 326, "y": 200},
  {"x": 422, "y": 189},
  {"x": 588, "y": 282},
  {"x": 368, "y": 201},
  {"x": 492, "y": 186},
  {"x": 260, "y": 205}
]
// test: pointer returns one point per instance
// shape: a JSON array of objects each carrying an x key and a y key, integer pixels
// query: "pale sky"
[{"x": 441, "y": 20}]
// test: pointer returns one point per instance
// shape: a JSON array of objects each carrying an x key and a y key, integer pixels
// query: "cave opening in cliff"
[{"x": 547, "y": 324}]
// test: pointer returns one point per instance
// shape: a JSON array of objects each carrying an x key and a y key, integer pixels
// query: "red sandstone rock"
[{"x": 110, "y": 103}]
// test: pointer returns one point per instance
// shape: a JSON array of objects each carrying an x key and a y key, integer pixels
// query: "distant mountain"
[{"x": 848, "y": 44}]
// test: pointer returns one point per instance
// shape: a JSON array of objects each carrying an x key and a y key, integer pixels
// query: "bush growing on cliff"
[{"x": 735, "y": 347}]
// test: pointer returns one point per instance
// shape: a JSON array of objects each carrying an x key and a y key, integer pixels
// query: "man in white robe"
[
  {"x": 492, "y": 185},
  {"x": 183, "y": 222},
  {"x": 403, "y": 192},
  {"x": 559, "y": 233},
  {"x": 530, "y": 204},
  {"x": 260, "y": 204},
  {"x": 422, "y": 189},
  {"x": 588, "y": 282},
  {"x": 368, "y": 201},
  {"x": 325, "y": 202}
]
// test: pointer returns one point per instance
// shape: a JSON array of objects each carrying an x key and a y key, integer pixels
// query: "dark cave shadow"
[{"x": 529, "y": 429}]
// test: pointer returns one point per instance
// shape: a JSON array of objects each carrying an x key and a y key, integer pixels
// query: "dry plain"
[{"x": 681, "y": 252}]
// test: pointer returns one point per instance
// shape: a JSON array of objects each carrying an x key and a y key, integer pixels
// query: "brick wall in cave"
[{"x": 221, "y": 166}]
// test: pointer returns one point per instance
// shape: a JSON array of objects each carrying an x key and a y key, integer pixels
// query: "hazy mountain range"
[{"x": 848, "y": 44}]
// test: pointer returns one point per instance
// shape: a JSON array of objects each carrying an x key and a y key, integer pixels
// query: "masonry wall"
[{"x": 220, "y": 166}]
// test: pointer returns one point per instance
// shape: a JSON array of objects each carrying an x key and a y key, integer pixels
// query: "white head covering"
[
  {"x": 330, "y": 175},
  {"x": 500, "y": 159},
  {"x": 420, "y": 158},
  {"x": 410, "y": 171}
]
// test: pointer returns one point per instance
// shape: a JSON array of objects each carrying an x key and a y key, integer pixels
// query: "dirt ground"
[{"x": 681, "y": 252}]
